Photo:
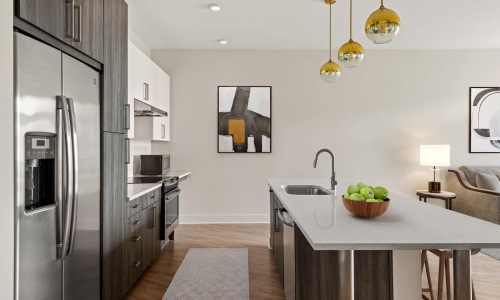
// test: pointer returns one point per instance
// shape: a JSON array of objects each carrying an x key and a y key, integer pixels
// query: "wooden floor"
[
  {"x": 263, "y": 274},
  {"x": 485, "y": 274},
  {"x": 264, "y": 279}
]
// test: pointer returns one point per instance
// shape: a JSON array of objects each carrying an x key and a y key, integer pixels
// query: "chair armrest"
[{"x": 466, "y": 184}]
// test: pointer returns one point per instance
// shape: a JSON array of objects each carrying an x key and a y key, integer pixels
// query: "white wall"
[
  {"x": 7, "y": 150},
  {"x": 374, "y": 120}
]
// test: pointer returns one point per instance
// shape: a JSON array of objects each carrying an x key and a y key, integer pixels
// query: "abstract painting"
[
  {"x": 244, "y": 122},
  {"x": 484, "y": 121}
]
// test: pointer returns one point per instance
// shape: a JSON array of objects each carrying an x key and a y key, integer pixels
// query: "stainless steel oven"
[{"x": 170, "y": 213}]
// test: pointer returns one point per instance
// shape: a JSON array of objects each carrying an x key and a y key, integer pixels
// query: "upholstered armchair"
[{"x": 473, "y": 201}]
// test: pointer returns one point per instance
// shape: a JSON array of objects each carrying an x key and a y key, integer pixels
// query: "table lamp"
[{"x": 435, "y": 156}]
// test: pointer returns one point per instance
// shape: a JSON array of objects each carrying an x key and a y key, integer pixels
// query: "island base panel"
[{"x": 317, "y": 273}]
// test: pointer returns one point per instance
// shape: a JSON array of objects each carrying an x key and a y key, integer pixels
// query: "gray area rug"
[
  {"x": 211, "y": 273},
  {"x": 495, "y": 253}
]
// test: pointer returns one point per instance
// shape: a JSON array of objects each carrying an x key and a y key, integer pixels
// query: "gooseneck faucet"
[{"x": 333, "y": 182}]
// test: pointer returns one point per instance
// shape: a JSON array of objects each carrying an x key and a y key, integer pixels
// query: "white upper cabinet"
[{"x": 149, "y": 84}]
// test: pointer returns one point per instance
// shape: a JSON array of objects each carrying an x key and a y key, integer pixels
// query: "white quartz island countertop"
[{"x": 407, "y": 225}]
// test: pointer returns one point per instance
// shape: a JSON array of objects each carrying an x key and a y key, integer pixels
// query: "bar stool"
[
  {"x": 425, "y": 262},
  {"x": 444, "y": 265}
]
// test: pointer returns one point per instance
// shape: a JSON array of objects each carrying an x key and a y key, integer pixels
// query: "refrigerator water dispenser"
[{"x": 40, "y": 177}]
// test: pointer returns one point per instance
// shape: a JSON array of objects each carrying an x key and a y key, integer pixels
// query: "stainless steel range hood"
[{"x": 142, "y": 109}]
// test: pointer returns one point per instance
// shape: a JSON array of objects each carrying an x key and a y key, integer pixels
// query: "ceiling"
[{"x": 303, "y": 24}]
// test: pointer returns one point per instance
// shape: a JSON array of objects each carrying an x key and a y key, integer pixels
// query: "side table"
[{"x": 443, "y": 195}]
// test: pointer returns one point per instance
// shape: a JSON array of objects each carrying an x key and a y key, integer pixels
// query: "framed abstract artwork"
[
  {"x": 244, "y": 119},
  {"x": 484, "y": 120}
]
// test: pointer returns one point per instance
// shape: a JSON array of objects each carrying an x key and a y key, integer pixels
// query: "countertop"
[
  {"x": 135, "y": 190},
  {"x": 408, "y": 223}
]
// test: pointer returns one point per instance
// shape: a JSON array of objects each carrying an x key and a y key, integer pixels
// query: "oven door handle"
[{"x": 172, "y": 195}]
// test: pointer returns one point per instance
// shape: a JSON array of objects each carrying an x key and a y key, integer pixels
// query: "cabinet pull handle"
[
  {"x": 276, "y": 224},
  {"x": 70, "y": 17},
  {"x": 145, "y": 91},
  {"x": 154, "y": 216},
  {"x": 127, "y": 116},
  {"x": 136, "y": 238},
  {"x": 78, "y": 10},
  {"x": 136, "y": 264},
  {"x": 135, "y": 206},
  {"x": 162, "y": 131},
  {"x": 127, "y": 151},
  {"x": 136, "y": 222}
]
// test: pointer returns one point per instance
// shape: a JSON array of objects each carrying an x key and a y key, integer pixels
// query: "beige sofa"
[{"x": 471, "y": 200}]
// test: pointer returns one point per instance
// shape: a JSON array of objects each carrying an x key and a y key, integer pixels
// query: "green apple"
[
  {"x": 379, "y": 200},
  {"x": 371, "y": 200},
  {"x": 352, "y": 189},
  {"x": 361, "y": 185},
  {"x": 367, "y": 193},
  {"x": 380, "y": 192},
  {"x": 370, "y": 187},
  {"x": 346, "y": 196},
  {"x": 356, "y": 197}
]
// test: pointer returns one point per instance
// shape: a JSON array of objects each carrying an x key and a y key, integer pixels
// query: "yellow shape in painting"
[{"x": 237, "y": 130}]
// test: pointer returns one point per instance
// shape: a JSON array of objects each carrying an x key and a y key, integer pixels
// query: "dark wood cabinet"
[
  {"x": 277, "y": 235},
  {"x": 89, "y": 25},
  {"x": 115, "y": 93},
  {"x": 316, "y": 273},
  {"x": 143, "y": 244},
  {"x": 78, "y": 23},
  {"x": 113, "y": 189}
]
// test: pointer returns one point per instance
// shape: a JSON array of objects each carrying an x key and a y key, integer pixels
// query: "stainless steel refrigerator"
[{"x": 57, "y": 174}]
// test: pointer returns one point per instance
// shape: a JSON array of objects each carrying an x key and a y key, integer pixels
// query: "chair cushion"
[
  {"x": 488, "y": 182},
  {"x": 471, "y": 171}
]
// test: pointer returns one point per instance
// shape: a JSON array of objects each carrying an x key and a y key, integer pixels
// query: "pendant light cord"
[
  {"x": 330, "y": 32},
  {"x": 350, "y": 32},
  {"x": 381, "y": 2}
]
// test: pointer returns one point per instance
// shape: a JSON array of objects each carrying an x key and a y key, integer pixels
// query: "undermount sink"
[{"x": 305, "y": 190}]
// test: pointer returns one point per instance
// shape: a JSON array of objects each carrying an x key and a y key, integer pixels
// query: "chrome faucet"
[{"x": 333, "y": 182}]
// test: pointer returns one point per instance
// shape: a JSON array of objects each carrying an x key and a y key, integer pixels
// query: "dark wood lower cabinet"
[
  {"x": 316, "y": 273},
  {"x": 143, "y": 235},
  {"x": 113, "y": 189}
]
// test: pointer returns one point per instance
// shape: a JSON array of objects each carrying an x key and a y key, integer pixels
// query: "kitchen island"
[{"x": 328, "y": 228}]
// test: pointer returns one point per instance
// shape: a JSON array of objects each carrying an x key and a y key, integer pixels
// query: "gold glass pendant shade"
[
  {"x": 382, "y": 25},
  {"x": 330, "y": 72},
  {"x": 351, "y": 54}
]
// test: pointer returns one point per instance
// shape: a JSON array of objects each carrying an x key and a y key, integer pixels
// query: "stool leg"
[
  {"x": 448, "y": 285},
  {"x": 440, "y": 278},
  {"x": 473, "y": 292},
  {"x": 428, "y": 272}
]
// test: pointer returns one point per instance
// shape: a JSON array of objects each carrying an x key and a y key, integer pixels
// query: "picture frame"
[
  {"x": 244, "y": 119},
  {"x": 484, "y": 120}
]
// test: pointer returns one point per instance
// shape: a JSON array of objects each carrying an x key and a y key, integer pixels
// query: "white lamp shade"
[{"x": 435, "y": 155}]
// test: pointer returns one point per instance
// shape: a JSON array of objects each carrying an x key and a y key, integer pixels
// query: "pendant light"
[
  {"x": 330, "y": 71},
  {"x": 382, "y": 25},
  {"x": 351, "y": 53}
]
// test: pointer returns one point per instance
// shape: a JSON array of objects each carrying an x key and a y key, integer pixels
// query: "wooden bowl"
[{"x": 366, "y": 209}]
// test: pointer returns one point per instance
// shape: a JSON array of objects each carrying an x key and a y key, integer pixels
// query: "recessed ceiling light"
[
  {"x": 223, "y": 42},
  {"x": 215, "y": 7}
]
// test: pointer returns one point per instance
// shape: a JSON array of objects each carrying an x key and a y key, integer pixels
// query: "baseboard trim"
[{"x": 222, "y": 219}]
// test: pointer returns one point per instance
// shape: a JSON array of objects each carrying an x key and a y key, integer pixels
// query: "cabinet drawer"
[
  {"x": 134, "y": 226},
  {"x": 134, "y": 264},
  {"x": 134, "y": 207},
  {"x": 152, "y": 197}
]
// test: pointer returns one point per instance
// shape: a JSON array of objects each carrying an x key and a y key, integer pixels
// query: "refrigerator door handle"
[
  {"x": 68, "y": 180},
  {"x": 75, "y": 169},
  {"x": 61, "y": 179}
]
